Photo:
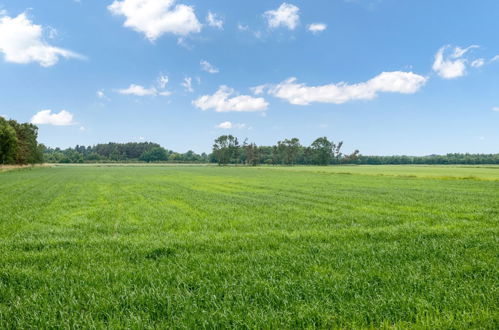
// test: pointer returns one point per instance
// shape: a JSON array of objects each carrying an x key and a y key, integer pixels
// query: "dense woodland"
[{"x": 18, "y": 145}]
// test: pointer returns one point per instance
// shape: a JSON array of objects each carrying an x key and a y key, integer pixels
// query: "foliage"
[
  {"x": 323, "y": 151},
  {"x": 119, "y": 152},
  {"x": 156, "y": 154},
  {"x": 226, "y": 150},
  {"x": 18, "y": 144}
]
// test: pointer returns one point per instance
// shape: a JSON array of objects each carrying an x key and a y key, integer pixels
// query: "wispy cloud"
[{"x": 208, "y": 67}]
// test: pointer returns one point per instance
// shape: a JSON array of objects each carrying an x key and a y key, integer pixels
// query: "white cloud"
[
  {"x": 230, "y": 125},
  {"x": 286, "y": 15},
  {"x": 258, "y": 90},
  {"x": 208, "y": 67},
  {"x": 495, "y": 58},
  {"x": 222, "y": 101},
  {"x": 187, "y": 84},
  {"x": 139, "y": 90},
  {"x": 478, "y": 63},
  {"x": 153, "y": 18},
  {"x": 495, "y": 109},
  {"x": 317, "y": 27},
  {"x": 213, "y": 20},
  {"x": 21, "y": 41},
  {"x": 453, "y": 65},
  {"x": 100, "y": 94},
  {"x": 163, "y": 81},
  {"x": 82, "y": 128},
  {"x": 46, "y": 117},
  {"x": 242, "y": 27},
  {"x": 388, "y": 82}
]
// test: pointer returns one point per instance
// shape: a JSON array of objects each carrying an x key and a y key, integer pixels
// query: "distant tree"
[
  {"x": 352, "y": 158},
  {"x": 288, "y": 150},
  {"x": 322, "y": 151},
  {"x": 156, "y": 154},
  {"x": 27, "y": 151},
  {"x": 226, "y": 149},
  {"x": 337, "y": 152},
  {"x": 8, "y": 143},
  {"x": 252, "y": 156}
]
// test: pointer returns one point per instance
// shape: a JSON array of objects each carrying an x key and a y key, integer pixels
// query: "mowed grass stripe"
[{"x": 191, "y": 247}]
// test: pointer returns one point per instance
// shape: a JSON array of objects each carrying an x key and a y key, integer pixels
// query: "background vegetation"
[{"x": 18, "y": 145}]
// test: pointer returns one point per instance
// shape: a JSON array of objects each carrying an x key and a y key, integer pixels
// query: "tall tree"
[
  {"x": 322, "y": 151},
  {"x": 226, "y": 149},
  {"x": 8, "y": 143},
  {"x": 252, "y": 154},
  {"x": 288, "y": 150}
]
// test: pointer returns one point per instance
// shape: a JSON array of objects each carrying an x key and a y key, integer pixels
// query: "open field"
[{"x": 283, "y": 247}]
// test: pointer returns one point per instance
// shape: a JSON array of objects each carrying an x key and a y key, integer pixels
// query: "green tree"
[
  {"x": 322, "y": 151},
  {"x": 156, "y": 154},
  {"x": 288, "y": 150},
  {"x": 8, "y": 142},
  {"x": 226, "y": 149},
  {"x": 252, "y": 154}
]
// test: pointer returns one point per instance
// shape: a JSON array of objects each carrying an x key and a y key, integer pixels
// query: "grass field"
[{"x": 285, "y": 247}]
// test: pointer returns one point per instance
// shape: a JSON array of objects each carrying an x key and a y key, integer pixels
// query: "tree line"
[
  {"x": 121, "y": 152},
  {"x": 228, "y": 150},
  {"x": 18, "y": 145}
]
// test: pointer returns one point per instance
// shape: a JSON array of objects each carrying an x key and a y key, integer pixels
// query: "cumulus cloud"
[
  {"x": 287, "y": 15},
  {"x": 317, "y": 27},
  {"x": 387, "y": 82},
  {"x": 208, "y": 67},
  {"x": 451, "y": 64},
  {"x": 230, "y": 125},
  {"x": 154, "y": 18},
  {"x": 214, "y": 21},
  {"x": 22, "y": 42},
  {"x": 46, "y": 117},
  {"x": 226, "y": 99}
]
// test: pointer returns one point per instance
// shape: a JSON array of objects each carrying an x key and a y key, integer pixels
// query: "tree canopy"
[{"x": 18, "y": 144}]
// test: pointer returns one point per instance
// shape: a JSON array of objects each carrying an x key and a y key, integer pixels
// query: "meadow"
[{"x": 242, "y": 247}]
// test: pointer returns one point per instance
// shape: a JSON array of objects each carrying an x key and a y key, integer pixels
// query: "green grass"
[{"x": 287, "y": 247}]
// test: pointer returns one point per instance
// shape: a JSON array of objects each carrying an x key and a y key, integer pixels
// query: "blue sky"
[{"x": 385, "y": 76}]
